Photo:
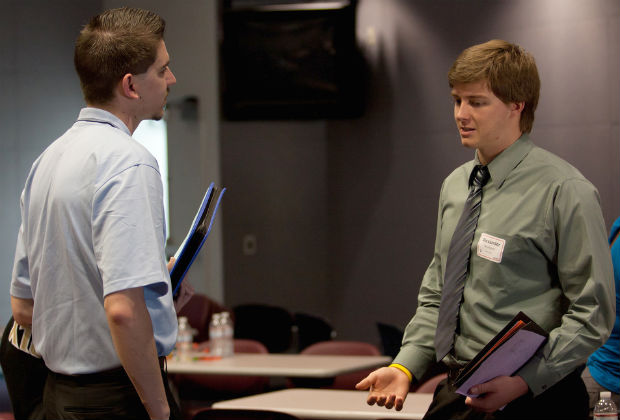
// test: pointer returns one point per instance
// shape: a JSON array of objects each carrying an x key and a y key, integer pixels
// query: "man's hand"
[
  {"x": 388, "y": 387},
  {"x": 496, "y": 393},
  {"x": 22, "y": 310},
  {"x": 132, "y": 334},
  {"x": 170, "y": 264}
]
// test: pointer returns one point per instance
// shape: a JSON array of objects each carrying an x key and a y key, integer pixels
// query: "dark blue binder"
[{"x": 200, "y": 229}]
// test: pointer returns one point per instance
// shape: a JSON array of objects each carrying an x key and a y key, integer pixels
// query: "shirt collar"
[
  {"x": 98, "y": 115},
  {"x": 506, "y": 161}
]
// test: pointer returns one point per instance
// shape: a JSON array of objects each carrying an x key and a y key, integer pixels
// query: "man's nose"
[
  {"x": 462, "y": 112},
  {"x": 171, "y": 79}
]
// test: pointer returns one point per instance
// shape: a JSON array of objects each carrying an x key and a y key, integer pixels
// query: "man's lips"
[{"x": 466, "y": 131}]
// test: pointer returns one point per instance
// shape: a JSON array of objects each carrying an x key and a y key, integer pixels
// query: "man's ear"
[
  {"x": 127, "y": 87},
  {"x": 518, "y": 106}
]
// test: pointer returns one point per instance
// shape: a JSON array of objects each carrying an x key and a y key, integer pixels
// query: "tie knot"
[{"x": 481, "y": 176}]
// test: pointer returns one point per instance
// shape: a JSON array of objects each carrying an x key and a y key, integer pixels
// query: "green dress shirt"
[{"x": 540, "y": 247}]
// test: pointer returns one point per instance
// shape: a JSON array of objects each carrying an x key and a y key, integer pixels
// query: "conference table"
[
  {"x": 328, "y": 404},
  {"x": 277, "y": 365}
]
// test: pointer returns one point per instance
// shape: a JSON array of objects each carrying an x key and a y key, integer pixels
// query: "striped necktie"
[{"x": 457, "y": 264}]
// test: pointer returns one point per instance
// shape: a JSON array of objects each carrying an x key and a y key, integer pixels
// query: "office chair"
[
  {"x": 271, "y": 325},
  {"x": 391, "y": 338},
  {"x": 198, "y": 311},
  {"x": 336, "y": 347},
  {"x": 312, "y": 329}
]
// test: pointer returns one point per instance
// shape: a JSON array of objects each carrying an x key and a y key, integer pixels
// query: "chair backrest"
[
  {"x": 391, "y": 338},
  {"x": 238, "y": 414},
  {"x": 243, "y": 345},
  {"x": 198, "y": 311},
  {"x": 312, "y": 329},
  {"x": 353, "y": 348},
  {"x": 271, "y": 325}
]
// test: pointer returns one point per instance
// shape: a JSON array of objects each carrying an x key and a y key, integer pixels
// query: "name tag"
[{"x": 491, "y": 247}]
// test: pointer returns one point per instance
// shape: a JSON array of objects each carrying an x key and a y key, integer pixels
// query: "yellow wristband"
[{"x": 404, "y": 369}]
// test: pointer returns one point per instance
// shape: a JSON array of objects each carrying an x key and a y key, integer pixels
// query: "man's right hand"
[
  {"x": 132, "y": 334},
  {"x": 388, "y": 387}
]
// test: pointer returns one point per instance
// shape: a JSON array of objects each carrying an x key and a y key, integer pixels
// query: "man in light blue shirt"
[{"x": 90, "y": 261}]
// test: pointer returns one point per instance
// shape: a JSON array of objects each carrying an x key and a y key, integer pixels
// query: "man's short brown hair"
[
  {"x": 509, "y": 70},
  {"x": 112, "y": 44}
]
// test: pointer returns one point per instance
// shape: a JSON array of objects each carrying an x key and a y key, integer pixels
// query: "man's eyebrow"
[{"x": 455, "y": 95}]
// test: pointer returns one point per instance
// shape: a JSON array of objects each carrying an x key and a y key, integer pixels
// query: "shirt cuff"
[
  {"x": 537, "y": 375},
  {"x": 403, "y": 369},
  {"x": 20, "y": 290}
]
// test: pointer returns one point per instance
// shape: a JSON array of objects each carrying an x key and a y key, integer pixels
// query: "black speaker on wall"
[{"x": 291, "y": 61}]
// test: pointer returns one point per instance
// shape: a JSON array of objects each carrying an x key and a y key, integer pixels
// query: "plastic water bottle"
[
  {"x": 228, "y": 344},
  {"x": 185, "y": 337},
  {"x": 605, "y": 408},
  {"x": 215, "y": 335}
]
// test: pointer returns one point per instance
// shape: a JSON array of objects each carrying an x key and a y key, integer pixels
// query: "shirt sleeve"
[
  {"x": 585, "y": 274},
  {"x": 129, "y": 231},
  {"x": 417, "y": 352},
  {"x": 20, "y": 280}
]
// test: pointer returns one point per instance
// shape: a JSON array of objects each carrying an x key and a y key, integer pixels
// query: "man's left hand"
[
  {"x": 170, "y": 264},
  {"x": 496, "y": 393}
]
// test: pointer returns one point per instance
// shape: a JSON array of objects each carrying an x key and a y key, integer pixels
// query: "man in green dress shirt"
[{"x": 539, "y": 247}]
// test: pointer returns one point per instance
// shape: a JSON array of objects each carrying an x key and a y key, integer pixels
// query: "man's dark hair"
[{"x": 112, "y": 44}]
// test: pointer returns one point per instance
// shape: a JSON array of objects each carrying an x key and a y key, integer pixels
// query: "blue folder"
[{"x": 200, "y": 229}]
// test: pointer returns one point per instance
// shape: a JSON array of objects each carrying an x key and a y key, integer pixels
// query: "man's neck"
[
  {"x": 487, "y": 155},
  {"x": 127, "y": 117}
]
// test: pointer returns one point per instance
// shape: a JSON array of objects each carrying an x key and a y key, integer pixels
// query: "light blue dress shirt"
[{"x": 92, "y": 224}]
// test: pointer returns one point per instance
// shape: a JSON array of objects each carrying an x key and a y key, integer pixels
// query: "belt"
[
  {"x": 453, "y": 373},
  {"x": 113, "y": 373}
]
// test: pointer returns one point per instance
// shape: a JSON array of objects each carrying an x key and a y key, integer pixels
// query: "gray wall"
[
  {"x": 384, "y": 170},
  {"x": 276, "y": 173},
  {"x": 40, "y": 99},
  {"x": 343, "y": 211}
]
